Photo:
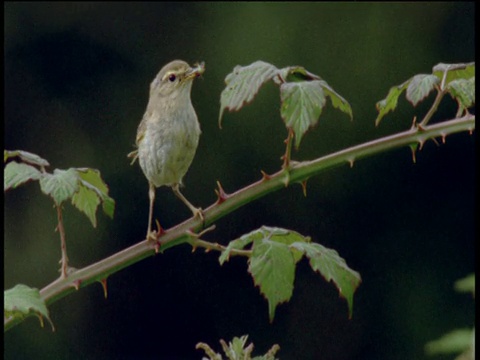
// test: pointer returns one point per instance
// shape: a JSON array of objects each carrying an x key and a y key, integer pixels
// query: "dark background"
[{"x": 76, "y": 85}]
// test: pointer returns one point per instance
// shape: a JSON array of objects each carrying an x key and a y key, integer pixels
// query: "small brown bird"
[{"x": 167, "y": 137}]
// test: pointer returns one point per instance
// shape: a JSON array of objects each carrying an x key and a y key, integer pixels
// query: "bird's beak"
[{"x": 197, "y": 70}]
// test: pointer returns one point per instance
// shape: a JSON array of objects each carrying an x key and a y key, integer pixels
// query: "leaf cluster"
[
  {"x": 237, "y": 349},
  {"x": 302, "y": 94},
  {"x": 84, "y": 186},
  {"x": 274, "y": 255},
  {"x": 458, "y": 80}
]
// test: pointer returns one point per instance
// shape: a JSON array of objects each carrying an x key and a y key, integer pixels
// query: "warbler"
[{"x": 168, "y": 135}]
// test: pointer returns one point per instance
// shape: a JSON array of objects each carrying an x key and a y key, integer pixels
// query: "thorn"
[
  {"x": 221, "y": 194},
  {"x": 104, "y": 286},
  {"x": 351, "y": 161},
  {"x": 413, "y": 147},
  {"x": 193, "y": 248},
  {"x": 156, "y": 247},
  {"x": 76, "y": 284},
  {"x": 470, "y": 131},
  {"x": 421, "y": 142},
  {"x": 436, "y": 142},
  {"x": 304, "y": 187},
  {"x": 444, "y": 137},
  {"x": 160, "y": 230},
  {"x": 265, "y": 176},
  {"x": 414, "y": 123}
]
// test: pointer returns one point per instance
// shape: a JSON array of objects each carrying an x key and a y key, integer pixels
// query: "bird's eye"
[{"x": 172, "y": 78}]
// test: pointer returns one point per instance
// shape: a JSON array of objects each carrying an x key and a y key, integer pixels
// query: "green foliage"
[
  {"x": 237, "y": 349},
  {"x": 83, "y": 186},
  {"x": 454, "y": 342},
  {"x": 458, "y": 340},
  {"x": 274, "y": 253},
  {"x": 303, "y": 94},
  {"x": 22, "y": 302},
  {"x": 467, "y": 284},
  {"x": 456, "y": 79}
]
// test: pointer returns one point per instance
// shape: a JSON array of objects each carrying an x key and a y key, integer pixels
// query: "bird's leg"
[
  {"x": 197, "y": 212},
  {"x": 151, "y": 195}
]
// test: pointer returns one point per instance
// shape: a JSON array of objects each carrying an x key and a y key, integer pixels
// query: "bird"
[{"x": 169, "y": 132}]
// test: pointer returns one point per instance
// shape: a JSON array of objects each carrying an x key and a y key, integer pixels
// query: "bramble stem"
[{"x": 181, "y": 233}]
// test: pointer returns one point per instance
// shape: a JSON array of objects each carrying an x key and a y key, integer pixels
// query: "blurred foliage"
[{"x": 76, "y": 85}]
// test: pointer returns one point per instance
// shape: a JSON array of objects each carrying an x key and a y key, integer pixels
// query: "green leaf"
[
  {"x": 23, "y": 301},
  {"x": 390, "y": 102},
  {"x": 295, "y": 74},
  {"x": 338, "y": 101},
  {"x": 302, "y": 104},
  {"x": 272, "y": 266},
  {"x": 332, "y": 267},
  {"x": 25, "y": 156},
  {"x": 463, "y": 91},
  {"x": 243, "y": 84},
  {"x": 466, "y": 284},
  {"x": 280, "y": 235},
  {"x": 420, "y": 87},
  {"x": 454, "y": 71},
  {"x": 86, "y": 200},
  {"x": 61, "y": 185},
  {"x": 453, "y": 342},
  {"x": 92, "y": 179},
  {"x": 16, "y": 174}
]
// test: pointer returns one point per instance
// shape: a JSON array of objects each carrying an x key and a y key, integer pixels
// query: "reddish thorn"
[
  {"x": 351, "y": 162},
  {"x": 104, "y": 286},
  {"x": 160, "y": 230},
  {"x": 221, "y": 194},
  {"x": 76, "y": 284},
  {"x": 156, "y": 247},
  {"x": 444, "y": 138},
  {"x": 265, "y": 176},
  {"x": 470, "y": 131}
]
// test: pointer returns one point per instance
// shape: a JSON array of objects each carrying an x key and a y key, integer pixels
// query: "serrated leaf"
[
  {"x": 92, "y": 179},
  {"x": 296, "y": 74},
  {"x": 108, "y": 206},
  {"x": 338, "y": 101},
  {"x": 16, "y": 174},
  {"x": 26, "y": 156},
  {"x": 302, "y": 104},
  {"x": 390, "y": 102},
  {"x": 464, "y": 91},
  {"x": 467, "y": 284},
  {"x": 272, "y": 266},
  {"x": 86, "y": 200},
  {"x": 453, "y": 342},
  {"x": 243, "y": 84},
  {"x": 454, "y": 71},
  {"x": 22, "y": 301},
  {"x": 333, "y": 268},
  {"x": 420, "y": 87},
  {"x": 61, "y": 185}
]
